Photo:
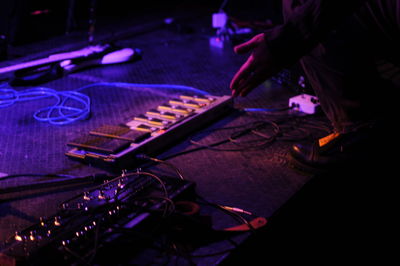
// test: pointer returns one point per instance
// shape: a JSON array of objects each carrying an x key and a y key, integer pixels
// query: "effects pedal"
[
  {"x": 304, "y": 103},
  {"x": 148, "y": 133}
]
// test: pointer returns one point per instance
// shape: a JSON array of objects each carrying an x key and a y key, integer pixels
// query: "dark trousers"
[
  {"x": 355, "y": 70},
  {"x": 346, "y": 217}
]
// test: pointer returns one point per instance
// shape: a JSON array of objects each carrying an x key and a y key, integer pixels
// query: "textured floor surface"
[{"x": 257, "y": 179}]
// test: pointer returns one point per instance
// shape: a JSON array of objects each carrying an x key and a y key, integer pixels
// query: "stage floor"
[{"x": 256, "y": 178}]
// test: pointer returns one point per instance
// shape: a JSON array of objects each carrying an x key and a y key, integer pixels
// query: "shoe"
[{"x": 335, "y": 151}]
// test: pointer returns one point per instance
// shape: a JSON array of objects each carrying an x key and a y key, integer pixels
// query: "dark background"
[{"x": 21, "y": 23}]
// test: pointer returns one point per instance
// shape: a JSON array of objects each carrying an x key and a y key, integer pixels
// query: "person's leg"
[
  {"x": 353, "y": 94},
  {"x": 343, "y": 69},
  {"x": 348, "y": 215}
]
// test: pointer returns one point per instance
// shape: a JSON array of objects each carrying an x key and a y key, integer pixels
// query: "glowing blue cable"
[
  {"x": 7, "y": 97},
  {"x": 60, "y": 113},
  {"x": 145, "y": 86},
  {"x": 267, "y": 109}
]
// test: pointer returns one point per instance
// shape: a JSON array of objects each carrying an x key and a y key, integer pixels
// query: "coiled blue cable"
[
  {"x": 57, "y": 114},
  {"x": 71, "y": 106}
]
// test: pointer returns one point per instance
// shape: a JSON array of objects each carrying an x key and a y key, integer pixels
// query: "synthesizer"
[{"x": 118, "y": 146}]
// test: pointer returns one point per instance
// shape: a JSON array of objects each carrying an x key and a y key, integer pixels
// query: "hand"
[{"x": 258, "y": 67}]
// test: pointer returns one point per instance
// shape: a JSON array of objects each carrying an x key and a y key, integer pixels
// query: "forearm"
[{"x": 306, "y": 26}]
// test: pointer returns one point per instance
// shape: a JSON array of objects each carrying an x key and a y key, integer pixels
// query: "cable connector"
[{"x": 235, "y": 209}]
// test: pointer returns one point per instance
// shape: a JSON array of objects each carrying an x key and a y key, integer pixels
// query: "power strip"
[{"x": 304, "y": 103}]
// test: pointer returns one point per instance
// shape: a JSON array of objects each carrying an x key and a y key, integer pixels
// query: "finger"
[
  {"x": 251, "y": 83},
  {"x": 245, "y": 47},
  {"x": 242, "y": 73},
  {"x": 246, "y": 91},
  {"x": 236, "y": 92}
]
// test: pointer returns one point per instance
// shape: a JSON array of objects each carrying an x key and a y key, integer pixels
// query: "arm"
[
  {"x": 285, "y": 44},
  {"x": 307, "y": 25}
]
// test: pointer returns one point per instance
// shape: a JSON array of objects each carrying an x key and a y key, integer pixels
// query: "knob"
[
  {"x": 18, "y": 237},
  {"x": 57, "y": 221},
  {"x": 86, "y": 196}
]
